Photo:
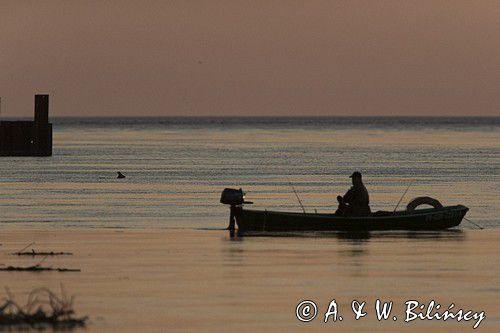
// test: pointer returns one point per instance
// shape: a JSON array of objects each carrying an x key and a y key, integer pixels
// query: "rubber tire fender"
[{"x": 423, "y": 201}]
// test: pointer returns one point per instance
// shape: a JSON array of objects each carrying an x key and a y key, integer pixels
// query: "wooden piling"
[
  {"x": 28, "y": 138},
  {"x": 43, "y": 130}
]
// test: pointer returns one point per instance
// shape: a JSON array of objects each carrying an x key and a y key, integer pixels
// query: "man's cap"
[{"x": 355, "y": 174}]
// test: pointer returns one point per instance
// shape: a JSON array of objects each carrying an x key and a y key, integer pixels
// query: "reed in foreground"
[{"x": 43, "y": 308}]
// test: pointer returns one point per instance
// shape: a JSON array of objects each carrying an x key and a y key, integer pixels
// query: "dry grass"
[{"x": 43, "y": 309}]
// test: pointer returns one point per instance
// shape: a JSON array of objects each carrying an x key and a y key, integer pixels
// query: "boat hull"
[{"x": 425, "y": 219}]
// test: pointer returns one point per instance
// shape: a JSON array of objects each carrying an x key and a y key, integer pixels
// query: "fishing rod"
[
  {"x": 402, "y": 196},
  {"x": 297, "y": 196},
  {"x": 477, "y": 225}
]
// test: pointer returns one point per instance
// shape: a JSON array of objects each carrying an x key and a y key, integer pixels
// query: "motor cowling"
[{"x": 231, "y": 196}]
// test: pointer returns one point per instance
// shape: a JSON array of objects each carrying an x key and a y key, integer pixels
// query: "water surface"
[
  {"x": 177, "y": 167},
  {"x": 182, "y": 280}
]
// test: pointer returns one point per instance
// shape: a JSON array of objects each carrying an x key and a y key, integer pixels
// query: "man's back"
[{"x": 358, "y": 199}]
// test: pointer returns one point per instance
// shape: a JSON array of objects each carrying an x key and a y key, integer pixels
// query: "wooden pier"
[{"x": 28, "y": 138}]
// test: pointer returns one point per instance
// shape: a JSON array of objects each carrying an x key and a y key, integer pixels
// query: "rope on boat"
[{"x": 477, "y": 225}]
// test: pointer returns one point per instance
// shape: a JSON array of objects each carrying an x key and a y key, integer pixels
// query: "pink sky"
[{"x": 188, "y": 58}]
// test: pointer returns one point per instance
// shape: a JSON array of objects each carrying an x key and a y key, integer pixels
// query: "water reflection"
[
  {"x": 357, "y": 246},
  {"x": 337, "y": 255},
  {"x": 452, "y": 235}
]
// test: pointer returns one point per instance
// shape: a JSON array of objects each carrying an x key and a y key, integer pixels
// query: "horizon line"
[{"x": 255, "y": 117}]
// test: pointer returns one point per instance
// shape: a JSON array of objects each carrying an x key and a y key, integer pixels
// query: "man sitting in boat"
[{"x": 356, "y": 202}]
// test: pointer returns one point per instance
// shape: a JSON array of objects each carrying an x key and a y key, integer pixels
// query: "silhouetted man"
[{"x": 356, "y": 202}]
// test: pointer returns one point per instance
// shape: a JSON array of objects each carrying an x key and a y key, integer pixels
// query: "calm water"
[
  {"x": 177, "y": 167},
  {"x": 182, "y": 279}
]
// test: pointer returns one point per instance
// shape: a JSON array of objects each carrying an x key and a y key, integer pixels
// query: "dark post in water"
[
  {"x": 28, "y": 138},
  {"x": 43, "y": 130}
]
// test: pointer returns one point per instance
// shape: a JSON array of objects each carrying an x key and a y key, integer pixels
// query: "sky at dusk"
[{"x": 251, "y": 58}]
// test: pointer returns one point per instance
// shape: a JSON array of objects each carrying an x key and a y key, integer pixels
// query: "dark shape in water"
[
  {"x": 39, "y": 253},
  {"x": 120, "y": 175},
  {"x": 38, "y": 268},
  {"x": 48, "y": 253}
]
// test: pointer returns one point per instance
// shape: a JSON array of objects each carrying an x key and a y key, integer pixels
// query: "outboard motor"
[
  {"x": 234, "y": 198},
  {"x": 231, "y": 196}
]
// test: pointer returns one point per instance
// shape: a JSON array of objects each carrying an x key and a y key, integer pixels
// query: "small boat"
[
  {"x": 422, "y": 219},
  {"x": 436, "y": 218}
]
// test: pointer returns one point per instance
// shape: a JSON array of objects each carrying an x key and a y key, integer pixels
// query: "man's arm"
[{"x": 349, "y": 196}]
